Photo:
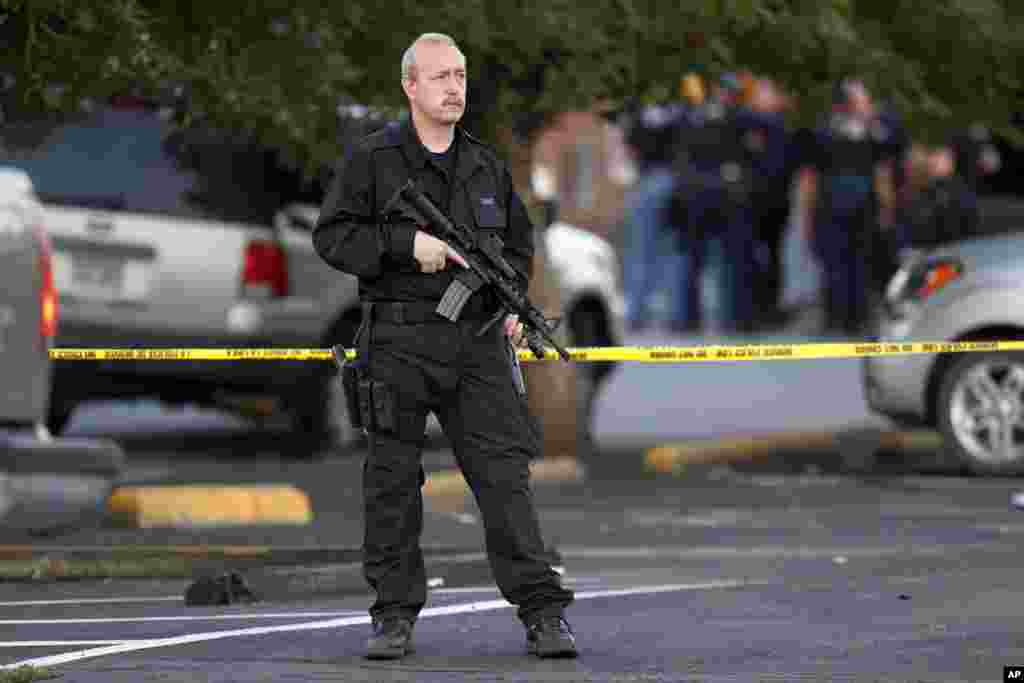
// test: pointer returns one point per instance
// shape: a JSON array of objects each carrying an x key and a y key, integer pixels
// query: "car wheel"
[
  {"x": 586, "y": 397},
  {"x": 981, "y": 412},
  {"x": 322, "y": 416},
  {"x": 58, "y": 415},
  {"x": 588, "y": 327}
]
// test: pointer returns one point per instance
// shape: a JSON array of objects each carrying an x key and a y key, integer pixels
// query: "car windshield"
[{"x": 116, "y": 159}]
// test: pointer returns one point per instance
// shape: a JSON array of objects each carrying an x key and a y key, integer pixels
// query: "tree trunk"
[{"x": 551, "y": 385}]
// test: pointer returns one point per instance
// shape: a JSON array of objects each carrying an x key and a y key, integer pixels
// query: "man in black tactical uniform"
[{"x": 419, "y": 362}]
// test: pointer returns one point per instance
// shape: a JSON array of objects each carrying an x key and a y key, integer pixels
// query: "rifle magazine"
[{"x": 453, "y": 301}]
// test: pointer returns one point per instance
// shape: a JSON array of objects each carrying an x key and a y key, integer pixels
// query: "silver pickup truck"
[
  {"x": 138, "y": 263},
  {"x": 46, "y": 484}
]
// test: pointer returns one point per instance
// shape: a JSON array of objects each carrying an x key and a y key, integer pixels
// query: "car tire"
[
  {"x": 588, "y": 327},
  {"x": 981, "y": 395},
  {"x": 586, "y": 397},
  {"x": 58, "y": 415},
  {"x": 321, "y": 415}
]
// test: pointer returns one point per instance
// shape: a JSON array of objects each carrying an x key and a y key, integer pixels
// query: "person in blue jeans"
[{"x": 653, "y": 258}]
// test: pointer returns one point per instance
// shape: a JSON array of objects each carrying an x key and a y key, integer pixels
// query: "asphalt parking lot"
[{"x": 725, "y": 575}]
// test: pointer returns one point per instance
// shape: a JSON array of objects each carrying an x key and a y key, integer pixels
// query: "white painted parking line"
[
  {"x": 805, "y": 552},
  {"x": 90, "y": 601},
  {"x": 188, "y": 617},
  {"x": 64, "y": 643},
  {"x": 467, "y": 589},
  {"x": 467, "y": 608}
]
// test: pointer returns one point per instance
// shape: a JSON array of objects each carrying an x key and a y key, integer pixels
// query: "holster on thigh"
[{"x": 391, "y": 412}]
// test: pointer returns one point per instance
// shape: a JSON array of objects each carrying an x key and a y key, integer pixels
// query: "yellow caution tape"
[{"x": 634, "y": 354}]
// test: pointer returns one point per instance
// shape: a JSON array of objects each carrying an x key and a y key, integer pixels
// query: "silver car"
[
  {"x": 968, "y": 291},
  {"x": 46, "y": 484}
]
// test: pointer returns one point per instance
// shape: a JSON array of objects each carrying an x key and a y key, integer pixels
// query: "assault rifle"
[{"x": 487, "y": 267}]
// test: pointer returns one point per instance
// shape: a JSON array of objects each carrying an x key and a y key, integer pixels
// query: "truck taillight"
[
  {"x": 48, "y": 305},
  {"x": 265, "y": 272}
]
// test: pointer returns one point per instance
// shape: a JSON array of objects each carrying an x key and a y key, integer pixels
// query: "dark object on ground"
[{"x": 226, "y": 589}]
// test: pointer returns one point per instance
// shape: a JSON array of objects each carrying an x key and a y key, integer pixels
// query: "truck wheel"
[
  {"x": 588, "y": 327},
  {"x": 981, "y": 412},
  {"x": 323, "y": 422},
  {"x": 58, "y": 415},
  {"x": 321, "y": 415}
]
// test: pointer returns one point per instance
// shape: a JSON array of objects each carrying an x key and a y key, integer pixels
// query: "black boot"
[
  {"x": 550, "y": 636},
  {"x": 392, "y": 638}
]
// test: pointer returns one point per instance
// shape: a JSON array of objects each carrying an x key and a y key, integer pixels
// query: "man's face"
[
  {"x": 941, "y": 162},
  {"x": 860, "y": 99},
  {"x": 767, "y": 97},
  {"x": 439, "y": 88}
]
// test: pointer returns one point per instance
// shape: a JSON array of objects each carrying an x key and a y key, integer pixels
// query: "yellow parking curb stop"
[
  {"x": 145, "y": 507},
  {"x": 674, "y": 458},
  {"x": 670, "y": 458}
]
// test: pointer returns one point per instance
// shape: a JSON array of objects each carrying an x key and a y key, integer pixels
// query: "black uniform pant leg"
[
  {"x": 494, "y": 440},
  {"x": 393, "y": 478},
  {"x": 772, "y": 221},
  {"x": 742, "y": 265},
  {"x": 846, "y": 272}
]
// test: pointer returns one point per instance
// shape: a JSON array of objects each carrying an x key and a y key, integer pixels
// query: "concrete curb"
[
  {"x": 146, "y": 507},
  {"x": 860, "y": 445}
]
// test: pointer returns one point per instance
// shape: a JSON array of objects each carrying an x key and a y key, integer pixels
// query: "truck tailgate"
[{"x": 123, "y": 270}]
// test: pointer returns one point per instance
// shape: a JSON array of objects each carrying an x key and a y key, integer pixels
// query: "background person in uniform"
[
  {"x": 429, "y": 364},
  {"x": 713, "y": 162},
  {"x": 916, "y": 178},
  {"x": 847, "y": 181},
  {"x": 773, "y": 167},
  {"x": 894, "y": 144},
  {"x": 976, "y": 156},
  {"x": 947, "y": 210}
]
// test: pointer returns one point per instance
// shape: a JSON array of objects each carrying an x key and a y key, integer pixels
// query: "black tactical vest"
[
  {"x": 850, "y": 148},
  {"x": 717, "y": 141}
]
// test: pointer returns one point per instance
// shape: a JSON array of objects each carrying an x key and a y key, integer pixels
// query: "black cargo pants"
[{"x": 467, "y": 382}]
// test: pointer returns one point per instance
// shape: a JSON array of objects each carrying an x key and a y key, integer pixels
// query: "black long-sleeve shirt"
[
  {"x": 947, "y": 211},
  {"x": 352, "y": 235}
]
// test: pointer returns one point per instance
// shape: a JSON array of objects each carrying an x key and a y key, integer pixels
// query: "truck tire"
[
  {"x": 588, "y": 326},
  {"x": 320, "y": 413},
  {"x": 58, "y": 415}
]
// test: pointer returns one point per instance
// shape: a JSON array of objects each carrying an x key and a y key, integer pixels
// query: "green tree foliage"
[{"x": 279, "y": 69}]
